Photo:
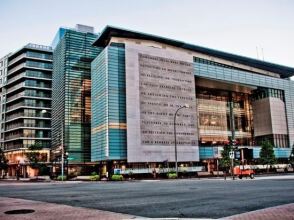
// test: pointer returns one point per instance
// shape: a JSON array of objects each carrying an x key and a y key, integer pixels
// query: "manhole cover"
[{"x": 19, "y": 211}]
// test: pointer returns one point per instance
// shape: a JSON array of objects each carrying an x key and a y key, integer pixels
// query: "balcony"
[
  {"x": 38, "y": 55},
  {"x": 27, "y": 95},
  {"x": 24, "y": 105},
  {"x": 23, "y": 115},
  {"x": 16, "y": 59},
  {"x": 22, "y": 136},
  {"x": 15, "y": 136},
  {"x": 15, "y": 78},
  {"x": 15, "y": 87},
  {"x": 39, "y": 65},
  {"x": 13, "y": 146},
  {"x": 27, "y": 125},
  {"x": 16, "y": 68},
  {"x": 35, "y": 84},
  {"x": 31, "y": 64},
  {"x": 11, "y": 98},
  {"x": 30, "y": 74},
  {"x": 38, "y": 74}
]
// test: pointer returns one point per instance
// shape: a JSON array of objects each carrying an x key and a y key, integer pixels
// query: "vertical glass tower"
[
  {"x": 71, "y": 108},
  {"x": 109, "y": 130}
]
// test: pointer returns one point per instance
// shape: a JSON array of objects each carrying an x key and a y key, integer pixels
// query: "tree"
[
  {"x": 267, "y": 154},
  {"x": 225, "y": 161},
  {"x": 3, "y": 161},
  {"x": 291, "y": 157},
  {"x": 34, "y": 156}
]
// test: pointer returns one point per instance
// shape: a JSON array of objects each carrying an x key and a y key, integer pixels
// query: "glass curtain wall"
[
  {"x": 220, "y": 113},
  {"x": 72, "y": 93}
]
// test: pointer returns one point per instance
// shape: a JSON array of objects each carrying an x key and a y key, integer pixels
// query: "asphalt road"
[{"x": 190, "y": 198}]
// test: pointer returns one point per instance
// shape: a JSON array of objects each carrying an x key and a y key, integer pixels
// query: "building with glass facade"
[
  {"x": 140, "y": 80},
  {"x": 114, "y": 98},
  {"x": 71, "y": 92},
  {"x": 25, "y": 95},
  {"x": 3, "y": 78}
]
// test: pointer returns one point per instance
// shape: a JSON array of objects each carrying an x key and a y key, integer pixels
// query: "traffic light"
[
  {"x": 237, "y": 154},
  {"x": 165, "y": 163},
  {"x": 65, "y": 156},
  {"x": 233, "y": 142}
]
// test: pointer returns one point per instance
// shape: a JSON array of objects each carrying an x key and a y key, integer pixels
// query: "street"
[{"x": 188, "y": 198}]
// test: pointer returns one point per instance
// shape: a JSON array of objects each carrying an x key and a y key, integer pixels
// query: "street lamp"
[
  {"x": 175, "y": 134},
  {"x": 62, "y": 148},
  {"x": 17, "y": 170}
]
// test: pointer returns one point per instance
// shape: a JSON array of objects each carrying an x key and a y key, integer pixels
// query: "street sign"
[
  {"x": 231, "y": 154},
  {"x": 237, "y": 154},
  {"x": 117, "y": 171},
  {"x": 70, "y": 158}
]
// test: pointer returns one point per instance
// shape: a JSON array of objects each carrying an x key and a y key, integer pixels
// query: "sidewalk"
[
  {"x": 52, "y": 211},
  {"x": 282, "y": 212}
]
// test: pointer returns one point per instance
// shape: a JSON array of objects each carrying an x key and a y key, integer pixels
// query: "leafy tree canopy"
[
  {"x": 225, "y": 161},
  {"x": 3, "y": 160},
  {"x": 33, "y": 155},
  {"x": 267, "y": 154}
]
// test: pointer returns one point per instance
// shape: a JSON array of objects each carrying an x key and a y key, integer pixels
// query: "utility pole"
[
  {"x": 62, "y": 154},
  {"x": 232, "y": 124},
  {"x": 232, "y": 166},
  {"x": 175, "y": 135}
]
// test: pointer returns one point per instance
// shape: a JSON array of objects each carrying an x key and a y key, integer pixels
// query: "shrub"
[
  {"x": 117, "y": 177},
  {"x": 172, "y": 175},
  {"x": 71, "y": 175},
  {"x": 94, "y": 176},
  {"x": 44, "y": 171},
  {"x": 59, "y": 178}
]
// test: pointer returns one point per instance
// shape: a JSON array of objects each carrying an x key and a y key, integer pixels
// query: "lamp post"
[
  {"x": 175, "y": 134},
  {"x": 62, "y": 148},
  {"x": 17, "y": 169}
]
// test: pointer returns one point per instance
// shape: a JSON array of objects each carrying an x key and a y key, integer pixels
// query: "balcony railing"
[
  {"x": 37, "y": 85},
  {"x": 16, "y": 59},
  {"x": 15, "y": 78},
  {"x": 15, "y": 87},
  {"x": 28, "y": 84},
  {"x": 20, "y": 135},
  {"x": 39, "y": 47},
  {"x": 32, "y": 64},
  {"x": 21, "y": 114},
  {"x": 23, "y": 94},
  {"x": 18, "y": 67},
  {"x": 26, "y": 105},
  {"x": 39, "y": 55},
  {"x": 15, "y": 96},
  {"x": 30, "y": 125},
  {"x": 38, "y": 74},
  {"x": 39, "y": 65},
  {"x": 28, "y": 73}
]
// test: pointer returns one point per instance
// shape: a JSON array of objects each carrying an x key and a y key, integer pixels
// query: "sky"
[{"x": 244, "y": 27}]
